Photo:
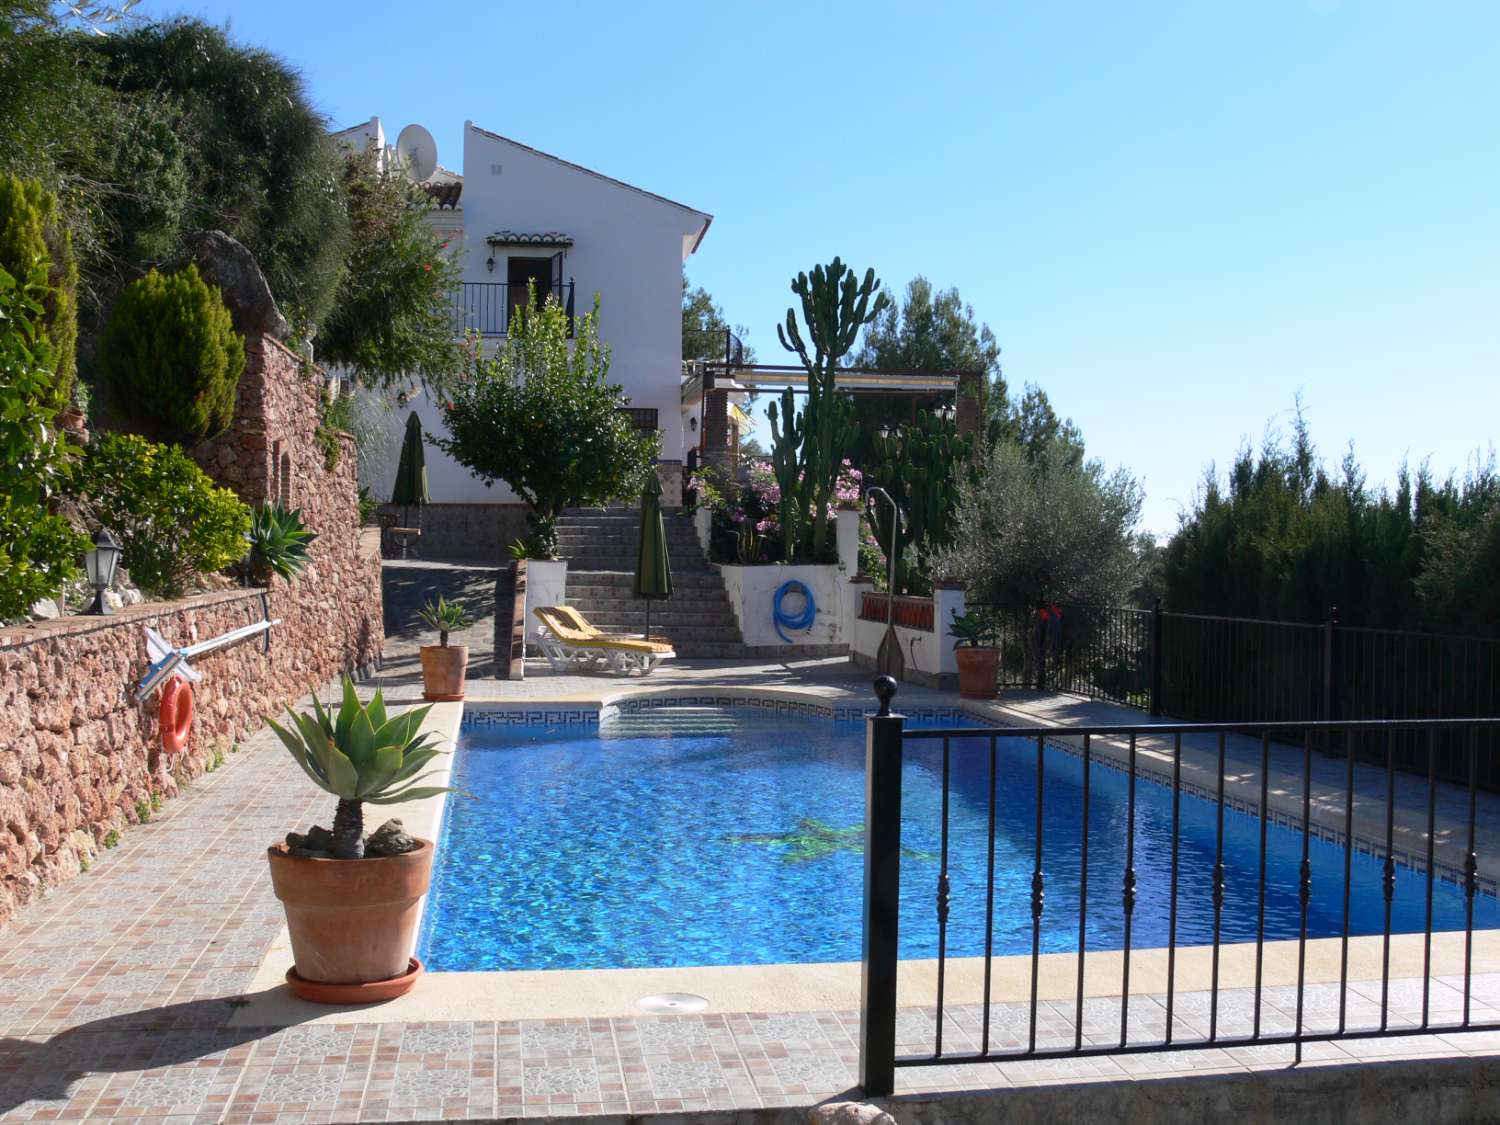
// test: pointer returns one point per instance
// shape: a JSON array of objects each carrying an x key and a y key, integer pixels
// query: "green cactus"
[
  {"x": 835, "y": 307},
  {"x": 918, "y": 464},
  {"x": 788, "y": 434}
]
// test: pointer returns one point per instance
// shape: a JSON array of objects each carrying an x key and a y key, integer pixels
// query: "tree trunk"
[{"x": 349, "y": 830}]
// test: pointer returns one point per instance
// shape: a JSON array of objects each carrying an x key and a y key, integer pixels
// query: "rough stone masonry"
[{"x": 79, "y": 758}]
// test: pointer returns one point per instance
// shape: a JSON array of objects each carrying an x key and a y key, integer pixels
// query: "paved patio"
[{"x": 119, "y": 993}]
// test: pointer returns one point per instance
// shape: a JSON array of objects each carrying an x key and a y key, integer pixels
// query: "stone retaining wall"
[{"x": 79, "y": 758}]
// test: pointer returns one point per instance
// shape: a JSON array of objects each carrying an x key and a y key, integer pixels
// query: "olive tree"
[{"x": 1044, "y": 526}]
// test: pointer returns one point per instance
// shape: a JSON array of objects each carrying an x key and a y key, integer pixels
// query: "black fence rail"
[
  {"x": 1103, "y": 652},
  {"x": 1198, "y": 667},
  {"x": 486, "y": 307},
  {"x": 1228, "y": 902}
]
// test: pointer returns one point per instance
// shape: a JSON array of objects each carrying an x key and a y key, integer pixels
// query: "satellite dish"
[{"x": 417, "y": 152}]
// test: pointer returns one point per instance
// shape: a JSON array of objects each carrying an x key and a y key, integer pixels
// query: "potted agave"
[
  {"x": 444, "y": 665},
  {"x": 352, "y": 902},
  {"x": 977, "y": 661}
]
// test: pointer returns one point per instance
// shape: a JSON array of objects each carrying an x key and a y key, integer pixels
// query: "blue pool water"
[{"x": 734, "y": 837}]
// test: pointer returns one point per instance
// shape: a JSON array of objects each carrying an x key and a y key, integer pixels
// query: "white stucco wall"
[
  {"x": 930, "y": 653},
  {"x": 752, "y": 594},
  {"x": 546, "y": 584},
  {"x": 628, "y": 246}
]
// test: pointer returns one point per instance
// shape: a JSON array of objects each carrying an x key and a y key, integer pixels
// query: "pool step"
[{"x": 656, "y": 722}]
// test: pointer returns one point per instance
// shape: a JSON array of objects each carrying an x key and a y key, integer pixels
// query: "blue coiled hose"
[{"x": 803, "y": 620}]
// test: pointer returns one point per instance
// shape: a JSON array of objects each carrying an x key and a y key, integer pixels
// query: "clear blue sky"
[{"x": 1174, "y": 216}]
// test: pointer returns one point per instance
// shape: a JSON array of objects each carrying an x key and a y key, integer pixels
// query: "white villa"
[{"x": 517, "y": 215}]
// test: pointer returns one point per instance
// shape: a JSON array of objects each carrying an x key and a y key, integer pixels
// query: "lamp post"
[{"x": 100, "y": 562}]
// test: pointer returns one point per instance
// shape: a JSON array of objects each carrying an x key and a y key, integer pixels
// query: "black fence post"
[
  {"x": 1330, "y": 672},
  {"x": 877, "y": 1017},
  {"x": 1038, "y": 627},
  {"x": 1156, "y": 703}
]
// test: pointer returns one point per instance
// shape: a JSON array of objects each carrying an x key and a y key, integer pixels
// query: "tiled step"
[
  {"x": 699, "y": 601},
  {"x": 601, "y": 548},
  {"x": 586, "y": 580}
]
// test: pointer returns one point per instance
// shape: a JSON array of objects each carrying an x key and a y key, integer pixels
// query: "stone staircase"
[{"x": 600, "y": 545}]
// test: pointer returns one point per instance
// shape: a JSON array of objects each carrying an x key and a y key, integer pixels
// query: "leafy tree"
[
  {"x": 930, "y": 330},
  {"x": 170, "y": 357},
  {"x": 704, "y": 325},
  {"x": 171, "y": 520},
  {"x": 50, "y": 109},
  {"x": 1042, "y": 528},
  {"x": 259, "y": 164},
  {"x": 392, "y": 318},
  {"x": 1035, "y": 427},
  {"x": 542, "y": 417},
  {"x": 836, "y": 306},
  {"x": 37, "y": 548}
]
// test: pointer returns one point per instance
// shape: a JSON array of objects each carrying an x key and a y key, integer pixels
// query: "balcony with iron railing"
[{"x": 486, "y": 307}]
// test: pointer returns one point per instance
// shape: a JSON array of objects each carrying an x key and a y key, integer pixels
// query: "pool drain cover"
[{"x": 673, "y": 1002}]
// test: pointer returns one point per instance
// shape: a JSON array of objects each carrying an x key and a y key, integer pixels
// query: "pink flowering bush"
[{"x": 754, "y": 500}]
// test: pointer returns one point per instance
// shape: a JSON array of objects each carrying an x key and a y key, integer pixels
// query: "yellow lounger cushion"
[{"x": 570, "y": 626}]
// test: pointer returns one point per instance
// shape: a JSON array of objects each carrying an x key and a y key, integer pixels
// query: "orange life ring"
[{"x": 176, "y": 715}]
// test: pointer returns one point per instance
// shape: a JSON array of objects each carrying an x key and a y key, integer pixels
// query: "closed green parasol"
[
  {"x": 653, "y": 569},
  {"x": 410, "y": 489}
]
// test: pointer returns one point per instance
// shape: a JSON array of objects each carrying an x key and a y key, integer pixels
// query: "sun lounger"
[{"x": 571, "y": 644}]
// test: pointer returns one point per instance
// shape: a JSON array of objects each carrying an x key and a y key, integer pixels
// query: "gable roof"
[{"x": 704, "y": 215}]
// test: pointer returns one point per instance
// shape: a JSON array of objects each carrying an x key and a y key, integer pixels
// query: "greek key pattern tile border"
[
  {"x": 487, "y": 717},
  {"x": 490, "y": 718}
]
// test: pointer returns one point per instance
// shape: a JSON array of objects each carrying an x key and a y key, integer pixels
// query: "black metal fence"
[
  {"x": 1232, "y": 669},
  {"x": 1019, "y": 754},
  {"x": 486, "y": 306}
]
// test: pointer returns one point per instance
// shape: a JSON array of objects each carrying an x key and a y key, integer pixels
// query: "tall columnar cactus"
[
  {"x": 918, "y": 464},
  {"x": 835, "y": 307},
  {"x": 788, "y": 433}
]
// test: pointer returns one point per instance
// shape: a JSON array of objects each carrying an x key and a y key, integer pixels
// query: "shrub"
[
  {"x": 37, "y": 252},
  {"x": 170, "y": 519},
  {"x": 170, "y": 358},
  {"x": 37, "y": 549}
]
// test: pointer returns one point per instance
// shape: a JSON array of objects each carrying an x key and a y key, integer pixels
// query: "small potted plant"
[
  {"x": 352, "y": 901},
  {"x": 444, "y": 665},
  {"x": 977, "y": 661}
]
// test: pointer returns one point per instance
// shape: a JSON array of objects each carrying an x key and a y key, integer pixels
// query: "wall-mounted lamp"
[
  {"x": 693, "y": 424},
  {"x": 489, "y": 263},
  {"x": 99, "y": 562}
]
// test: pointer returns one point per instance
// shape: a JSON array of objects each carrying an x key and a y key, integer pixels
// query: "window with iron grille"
[{"x": 641, "y": 417}]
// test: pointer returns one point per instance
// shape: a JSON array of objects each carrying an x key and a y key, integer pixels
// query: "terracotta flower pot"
[
  {"x": 976, "y": 671},
  {"x": 443, "y": 669},
  {"x": 352, "y": 921}
]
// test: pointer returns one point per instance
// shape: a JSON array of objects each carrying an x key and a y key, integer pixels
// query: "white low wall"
[
  {"x": 928, "y": 656},
  {"x": 546, "y": 584},
  {"x": 752, "y": 595}
]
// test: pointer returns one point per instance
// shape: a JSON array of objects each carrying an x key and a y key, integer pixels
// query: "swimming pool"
[{"x": 713, "y": 836}]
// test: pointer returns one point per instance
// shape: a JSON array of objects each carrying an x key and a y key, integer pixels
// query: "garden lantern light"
[{"x": 99, "y": 562}]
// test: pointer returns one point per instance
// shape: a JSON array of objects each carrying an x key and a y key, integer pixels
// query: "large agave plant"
[
  {"x": 361, "y": 755},
  {"x": 278, "y": 543}
]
